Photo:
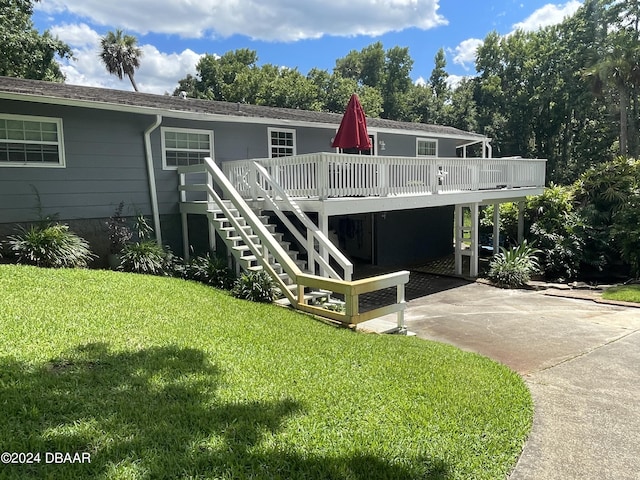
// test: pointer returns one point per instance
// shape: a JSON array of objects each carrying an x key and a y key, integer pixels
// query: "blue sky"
[{"x": 302, "y": 34}]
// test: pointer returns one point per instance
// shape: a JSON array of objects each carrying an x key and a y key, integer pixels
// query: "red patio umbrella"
[{"x": 352, "y": 133}]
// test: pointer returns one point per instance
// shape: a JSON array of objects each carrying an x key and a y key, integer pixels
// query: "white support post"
[
  {"x": 323, "y": 226},
  {"x": 212, "y": 237},
  {"x": 185, "y": 236},
  {"x": 520, "y": 222},
  {"x": 473, "y": 264},
  {"x": 401, "y": 300},
  {"x": 496, "y": 228},
  {"x": 458, "y": 233}
]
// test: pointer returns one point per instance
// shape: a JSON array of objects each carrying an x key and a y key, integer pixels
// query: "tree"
[
  {"x": 26, "y": 53},
  {"x": 120, "y": 55}
]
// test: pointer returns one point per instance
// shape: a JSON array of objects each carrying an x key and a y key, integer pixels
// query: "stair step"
[
  {"x": 238, "y": 239},
  {"x": 230, "y": 230}
]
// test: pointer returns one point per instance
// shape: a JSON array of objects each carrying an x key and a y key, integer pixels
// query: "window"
[
  {"x": 282, "y": 143},
  {"x": 182, "y": 147},
  {"x": 30, "y": 141},
  {"x": 426, "y": 147}
]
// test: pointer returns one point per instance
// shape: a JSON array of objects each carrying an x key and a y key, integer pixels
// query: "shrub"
[
  {"x": 255, "y": 286},
  {"x": 119, "y": 232},
  {"x": 146, "y": 257},
  {"x": 558, "y": 231},
  {"x": 513, "y": 268},
  {"x": 53, "y": 246},
  {"x": 210, "y": 270}
]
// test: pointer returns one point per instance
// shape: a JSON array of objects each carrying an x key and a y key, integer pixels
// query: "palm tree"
[{"x": 120, "y": 55}]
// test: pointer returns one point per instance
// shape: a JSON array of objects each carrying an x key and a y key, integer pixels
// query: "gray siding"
[
  {"x": 405, "y": 145},
  {"x": 104, "y": 154}
]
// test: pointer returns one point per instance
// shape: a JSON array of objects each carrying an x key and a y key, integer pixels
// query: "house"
[{"x": 78, "y": 152}]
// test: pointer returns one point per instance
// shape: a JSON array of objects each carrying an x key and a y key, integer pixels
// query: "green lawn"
[
  {"x": 624, "y": 293},
  {"x": 163, "y": 378}
]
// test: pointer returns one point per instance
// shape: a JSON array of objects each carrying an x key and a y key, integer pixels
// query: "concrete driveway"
[{"x": 581, "y": 361}]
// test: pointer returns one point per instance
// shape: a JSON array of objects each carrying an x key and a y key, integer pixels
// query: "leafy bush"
[
  {"x": 146, "y": 257},
  {"x": 558, "y": 231},
  {"x": 626, "y": 234},
  {"x": 210, "y": 270},
  {"x": 119, "y": 232},
  {"x": 604, "y": 193},
  {"x": 513, "y": 268},
  {"x": 255, "y": 286},
  {"x": 52, "y": 246}
]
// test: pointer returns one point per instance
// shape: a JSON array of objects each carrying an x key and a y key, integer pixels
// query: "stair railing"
[
  {"x": 268, "y": 245},
  {"x": 314, "y": 235}
]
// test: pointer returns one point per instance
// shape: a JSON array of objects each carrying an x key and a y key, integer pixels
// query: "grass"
[
  {"x": 623, "y": 293},
  {"x": 163, "y": 378}
]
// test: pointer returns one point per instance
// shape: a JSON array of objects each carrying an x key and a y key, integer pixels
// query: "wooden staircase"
[
  {"x": 245, "y": 260},
  {"x": 255, "y": 245}
]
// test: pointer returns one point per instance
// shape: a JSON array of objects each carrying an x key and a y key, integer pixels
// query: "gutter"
[{"x": 152, "y": 178}]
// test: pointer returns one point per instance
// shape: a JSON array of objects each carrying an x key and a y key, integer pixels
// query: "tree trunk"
[
  {"x": 133, "y": 82},
  {"x": 624, "y": 117}
]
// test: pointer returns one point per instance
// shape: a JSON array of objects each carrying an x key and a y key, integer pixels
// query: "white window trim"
[
  {"x": 286, "y": 130},
  {"x": 183, "y": 130},
  {"x": 425, "y": 139},
  {"x": 60, "y": 143}
]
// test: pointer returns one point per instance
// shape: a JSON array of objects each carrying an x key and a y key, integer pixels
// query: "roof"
[{"x": 64, "y": 94}]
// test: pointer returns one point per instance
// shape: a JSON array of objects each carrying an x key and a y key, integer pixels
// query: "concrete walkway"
[{"x": 581, "y": 361}]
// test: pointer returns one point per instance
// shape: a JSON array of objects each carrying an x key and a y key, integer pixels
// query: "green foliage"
[
  {"x": 210, "y": 270},
  {"x": 606, "y": 195},
  {"x": 147, "y": 257},
  {"x": 119, "y": 231},
  {"x": 513, "y": 268},
  {"x": 558, "y": 231},
  {"x": 255, "y": 286},
  {"x": 25, "y": 52},
  {"x": 625, "y": 229},
  {"x": 52, "y": 246},
  {"x": 161, "y": 378}
]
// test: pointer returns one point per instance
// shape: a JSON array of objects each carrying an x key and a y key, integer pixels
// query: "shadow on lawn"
[{"x": 154, "y": 413}]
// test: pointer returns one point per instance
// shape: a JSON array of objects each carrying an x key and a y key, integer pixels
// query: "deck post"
[
  {"x": 458, "y": 234},
  {"x": 400, "y": 299},
  {"x": 520, "y": 222},
  {"x": 473, "y": 264},
  {"x": 185, "y": 236},
  {"x": 496, "y": 228},
  {"x": 323, "y": 226}
]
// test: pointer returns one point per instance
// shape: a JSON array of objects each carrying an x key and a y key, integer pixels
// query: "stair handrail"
[{"x": 313, "y": 232}]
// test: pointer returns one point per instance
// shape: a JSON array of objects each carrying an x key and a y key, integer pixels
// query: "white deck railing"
[{"x": 324, "y": 175}]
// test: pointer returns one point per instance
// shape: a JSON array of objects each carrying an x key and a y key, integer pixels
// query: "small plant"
[
  {"x": 119, "y": 232},
  {"x": 142, "y": 228},
  {"x": 210, "y": 270},
  {"x": 52, "y": 246},
  {"x": 146, "y": 257},
  {"x": 255, "y": 286},
  {"x": 513, "y": 268}
]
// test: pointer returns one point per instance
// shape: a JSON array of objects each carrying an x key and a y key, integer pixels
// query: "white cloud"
[
  {"x": 420, "y": 82},
  {"x": 454, "y": 80},
  {"x": 276, "y": 20},
  {"x": 465, "y": 52},
  {"x": 548, "y": 15},
  {"x": 159, "y": 71}
]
